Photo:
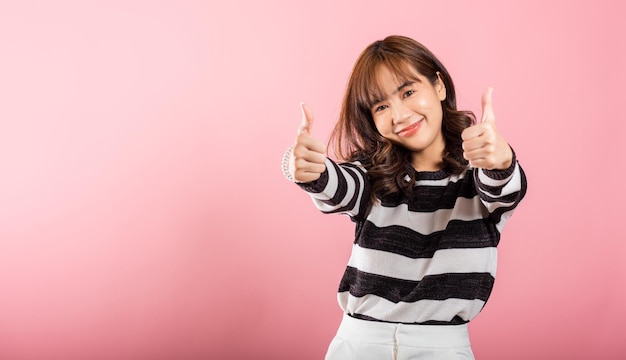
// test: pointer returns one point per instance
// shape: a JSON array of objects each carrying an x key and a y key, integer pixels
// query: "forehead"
[{"x": 388, "y": 79}]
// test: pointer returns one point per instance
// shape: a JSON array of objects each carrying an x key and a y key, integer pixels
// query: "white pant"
[{"x": 371, "y": 340}]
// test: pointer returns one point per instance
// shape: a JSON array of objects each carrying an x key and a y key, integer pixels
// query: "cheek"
[
  {"x": 429, "y": 105},
  {"x": 426, "y": 101},
  {"x": 383, "y": 125}
]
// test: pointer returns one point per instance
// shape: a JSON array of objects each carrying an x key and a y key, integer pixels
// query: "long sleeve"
[
  {"x": 342, "y": 188},
  {"x": 501, "y": 191},
  {"x": 428, "y": 257}
]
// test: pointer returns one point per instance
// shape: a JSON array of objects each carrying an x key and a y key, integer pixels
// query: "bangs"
[{"x": 369, "y": 89}]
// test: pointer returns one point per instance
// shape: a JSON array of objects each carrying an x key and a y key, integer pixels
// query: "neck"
[
  {"x": 425, "y": 165},
  {"x": 430, "y": 159}
]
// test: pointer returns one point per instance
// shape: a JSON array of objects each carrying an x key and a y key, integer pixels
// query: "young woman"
[{"x": 429, "y": 189}]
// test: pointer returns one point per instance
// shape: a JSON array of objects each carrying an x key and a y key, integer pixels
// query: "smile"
[{"x": 410, "y": 130}]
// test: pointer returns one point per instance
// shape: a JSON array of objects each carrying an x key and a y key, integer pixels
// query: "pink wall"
[{"x": 143, "y": 214}]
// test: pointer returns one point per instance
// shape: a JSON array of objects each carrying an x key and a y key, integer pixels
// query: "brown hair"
[{"x": 355, "y": 136}]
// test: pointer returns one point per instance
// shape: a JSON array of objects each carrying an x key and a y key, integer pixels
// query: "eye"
[
  {"x": 409, "y": 93},
  {"x": 380, "y": 108}
]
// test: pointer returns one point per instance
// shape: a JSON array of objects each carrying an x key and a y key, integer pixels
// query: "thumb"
[
  {"x": 488, "y": 115},
  {"x": 307, "y": 119}
]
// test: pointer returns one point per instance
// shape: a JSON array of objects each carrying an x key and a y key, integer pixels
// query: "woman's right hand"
[{"x": 307, "y": 161}]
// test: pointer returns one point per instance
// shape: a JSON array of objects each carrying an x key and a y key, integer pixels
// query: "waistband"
[{"x": 432, "y": 336}]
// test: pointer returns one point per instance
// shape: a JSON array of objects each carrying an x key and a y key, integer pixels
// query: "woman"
[{"x": 429, "y": 190}]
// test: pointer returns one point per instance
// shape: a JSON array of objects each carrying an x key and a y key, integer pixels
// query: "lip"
[{"x": 410, "y": 130}]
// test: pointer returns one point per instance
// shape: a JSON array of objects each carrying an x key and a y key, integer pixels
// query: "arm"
[
  {"x": 334, "y": 188},
  {"x": 501, "y": 191},
  {"x": 341, "y": 188},
  {"x": 498, "y": 177}
]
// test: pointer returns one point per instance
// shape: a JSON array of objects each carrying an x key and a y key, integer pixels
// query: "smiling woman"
[
  {"x": 411, "y": 107},
  {"x": 143, "y": 215},
  {"x": 386, "y": 116},
  {"x": 429, "y": 191}
]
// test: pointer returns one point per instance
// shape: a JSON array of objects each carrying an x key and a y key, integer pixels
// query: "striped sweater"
[{"x": 428, "y": 258}]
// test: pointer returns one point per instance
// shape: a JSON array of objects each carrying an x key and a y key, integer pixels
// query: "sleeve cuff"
[
  {"x": 502, "y": 174},
  {"x": 316, "y": 186}
]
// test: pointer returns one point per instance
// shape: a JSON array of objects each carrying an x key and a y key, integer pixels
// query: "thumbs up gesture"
[
  {"x": 483, "y": 146},
  {"x": 308, "y": 157}
]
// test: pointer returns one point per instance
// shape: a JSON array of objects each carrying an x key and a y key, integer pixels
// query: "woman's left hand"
[{"x": 483, "y": 146}]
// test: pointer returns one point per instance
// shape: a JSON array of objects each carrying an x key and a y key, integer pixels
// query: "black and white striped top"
[{"x": 429, "y": 258}]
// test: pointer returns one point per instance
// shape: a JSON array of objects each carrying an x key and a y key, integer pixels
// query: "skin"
[
  {"x": 419, "y": 105},
  {"x": 483, "y": 146},
  {"x": 411, "y": 116},
  {"x": 307, "y": 161}
]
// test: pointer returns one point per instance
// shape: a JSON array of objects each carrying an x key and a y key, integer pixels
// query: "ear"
[{"x": 440, "y": 87}]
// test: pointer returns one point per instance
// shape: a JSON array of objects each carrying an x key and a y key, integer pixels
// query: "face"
[{"x": 411, "y": 114}]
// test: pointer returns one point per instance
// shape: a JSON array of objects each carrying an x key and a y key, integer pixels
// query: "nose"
[{"x": 399, "y": 113}]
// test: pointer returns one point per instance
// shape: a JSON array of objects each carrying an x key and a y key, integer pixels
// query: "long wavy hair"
[{"x": 355, "y": 136}]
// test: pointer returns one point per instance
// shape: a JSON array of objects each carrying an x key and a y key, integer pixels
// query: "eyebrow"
[{"x": 405, "y": 84}]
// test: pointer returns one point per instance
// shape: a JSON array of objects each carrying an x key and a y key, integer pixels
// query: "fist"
[
  {"x": 483, "y": 146},
  {"x": 308, "y": 158}
]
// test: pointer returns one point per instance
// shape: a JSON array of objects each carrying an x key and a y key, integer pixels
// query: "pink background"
[{"x": 143, "y": 214}]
